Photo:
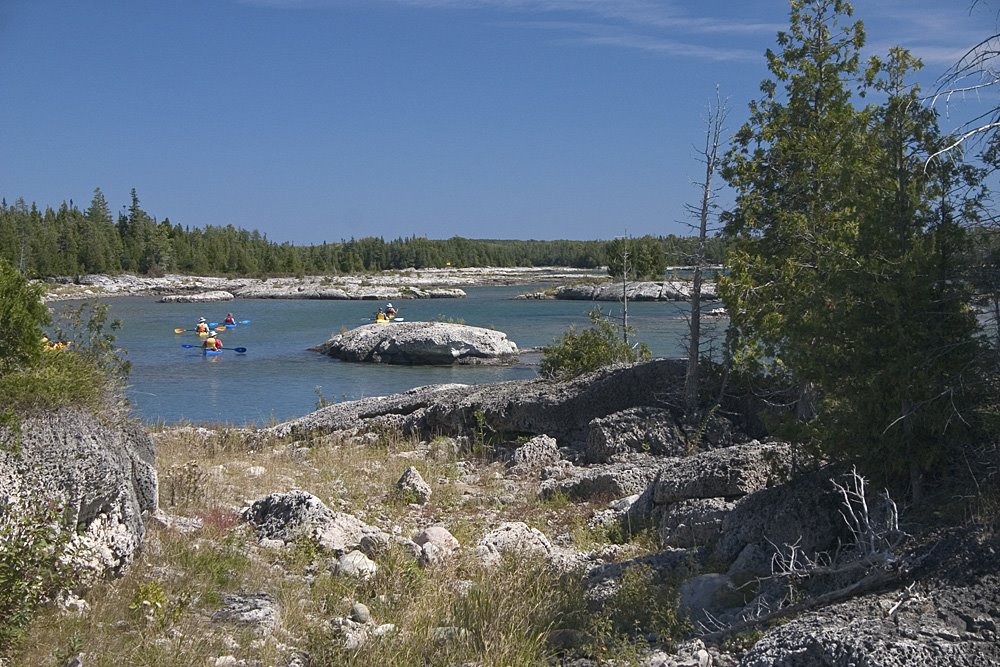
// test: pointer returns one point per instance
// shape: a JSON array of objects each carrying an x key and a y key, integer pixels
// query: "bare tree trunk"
[{"x": 710, "y": 155}]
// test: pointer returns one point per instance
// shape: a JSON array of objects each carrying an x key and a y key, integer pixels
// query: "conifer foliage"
[{"x": 844, "y": 242}]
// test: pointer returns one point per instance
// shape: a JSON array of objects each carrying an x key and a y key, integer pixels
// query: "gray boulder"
[
  {"x": 803, "y": 511},
  {"x": 421, "y": 343},
  {"x": 643, "y": 429},
  {"x": 724, "y": 473},
  {"x": 516, "y": 539},
  {"x": 536, "y": 453},
  {"x": 693, "y": 523},
  {"x": 300, "y": 515},
  {"x": 102, "y": 472},
  {"x": 603, "y": 482},
  {"x": 413, "y": 485},
  {"x": 356, "y": 565},
  {"x": 259, "y": 611}
]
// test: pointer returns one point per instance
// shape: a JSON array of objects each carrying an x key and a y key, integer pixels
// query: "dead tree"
[{"x": 709, "y": 156}]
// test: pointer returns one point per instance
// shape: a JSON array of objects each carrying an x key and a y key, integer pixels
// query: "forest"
[{"x": 66, "y": 241}]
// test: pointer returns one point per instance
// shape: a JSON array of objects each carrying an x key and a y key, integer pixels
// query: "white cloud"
[{"x": 935, "y": 33}]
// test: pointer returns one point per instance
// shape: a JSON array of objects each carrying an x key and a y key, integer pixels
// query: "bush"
[
  {"x": 22, "y": 316},
  {"x": 580, "y": 352},
  {"x": 34, "y": 544},
  {"x": 88, "y": 373}
]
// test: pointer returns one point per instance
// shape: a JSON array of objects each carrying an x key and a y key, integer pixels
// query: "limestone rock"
[
  {"x": 563, "y": 411},
  {"x": 440, "y": 537},
  {"x": 668, "y": 290},
  {"x": 257, "y": 610},
  {"x": 642, "y": 429},
  {"x": 693, "y": 523},
  {"x": 514, "y": 538},
  {"x": 421, "y": 343},
  {"x": 357, "y": 565},
  {"x": 298, "y": 514},
  {"x": 104, "y": 473},
  {"x": 200, "y": 297},
  {"x": 537, "y": 452},
  {"x": 803, "y": 511},
  {"x": 607, "y": 481},
  {"x": 412, "y": 484},
  {"x": 724, "y": 473}
]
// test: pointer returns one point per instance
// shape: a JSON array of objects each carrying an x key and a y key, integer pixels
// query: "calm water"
[{"x": 278, "y": 377}]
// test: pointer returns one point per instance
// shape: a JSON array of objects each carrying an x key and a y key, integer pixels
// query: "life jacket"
[
  {"x": 229, "y": 320},
  {"x": 212, "y": 343},
  {"x": 381, "y": 317},
  {"x": 201, "y": 328}
]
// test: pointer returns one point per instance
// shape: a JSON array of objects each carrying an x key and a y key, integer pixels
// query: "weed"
[
  {"x": 183, "y": 484},
  {"x": 152, "y": 606}
]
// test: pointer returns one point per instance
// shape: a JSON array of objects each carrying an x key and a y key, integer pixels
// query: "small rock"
[
  {"x": 412, "y": 483},
  {"x": 360, "y": 613},
  {"x": 356, "y": 564}
]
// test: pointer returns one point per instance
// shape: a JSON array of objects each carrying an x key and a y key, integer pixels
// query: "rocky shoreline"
[
  {"x": 752, "y": 531},
  {"x": 571, "y": 284}
]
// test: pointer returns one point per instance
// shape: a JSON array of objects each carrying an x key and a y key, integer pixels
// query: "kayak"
[
  {"x": 230, "y": 326},
  {"x": 211, "y": 353}
]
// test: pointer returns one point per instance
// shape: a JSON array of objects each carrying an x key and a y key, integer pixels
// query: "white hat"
[
  {"x": 201, "y": 319},
  {"x": 388, "y": 305}
]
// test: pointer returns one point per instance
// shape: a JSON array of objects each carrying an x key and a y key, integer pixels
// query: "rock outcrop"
[
  {"x": 414, "y": 343},
  {"x": 563, "y": 411},
  {"x": 198, "y": 297},
  {"x": 102, "y": 474},
  {"x": 668, "y": 290}
]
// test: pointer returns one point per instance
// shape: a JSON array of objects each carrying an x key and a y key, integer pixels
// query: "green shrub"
[
  {"x": 33, "y": 569},
  {"x": 579, "y": 352}
]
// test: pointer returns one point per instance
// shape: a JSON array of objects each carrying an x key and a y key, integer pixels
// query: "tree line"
[{"x": 67, "y": 241}]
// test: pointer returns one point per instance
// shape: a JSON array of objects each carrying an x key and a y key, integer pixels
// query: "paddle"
[{"x": 238, "y": 350}]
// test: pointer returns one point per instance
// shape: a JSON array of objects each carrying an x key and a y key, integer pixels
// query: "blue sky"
[{"x": 321, "y": 120}]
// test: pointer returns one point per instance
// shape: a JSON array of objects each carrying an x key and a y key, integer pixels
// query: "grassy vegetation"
[{"x": 517, "y": 612}]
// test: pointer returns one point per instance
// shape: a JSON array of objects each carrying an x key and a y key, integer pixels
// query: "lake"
[{"x": 279, "y": 378}]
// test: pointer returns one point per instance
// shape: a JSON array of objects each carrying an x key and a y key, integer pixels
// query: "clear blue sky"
[{"x": 315, "y": 120}]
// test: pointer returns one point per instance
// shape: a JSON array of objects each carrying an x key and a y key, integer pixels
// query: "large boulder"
[
  {"x": 421, "y": 343},
  {"x": 101, "y": 471}
]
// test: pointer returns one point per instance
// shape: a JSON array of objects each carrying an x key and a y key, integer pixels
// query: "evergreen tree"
[{"x": 842, "y": 248}]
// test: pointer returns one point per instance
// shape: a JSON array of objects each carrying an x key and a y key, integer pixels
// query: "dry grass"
[{"x": 160, "y": 613}]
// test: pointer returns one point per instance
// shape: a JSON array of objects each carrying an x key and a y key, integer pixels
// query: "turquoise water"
[{"x": 278, "y": 378}]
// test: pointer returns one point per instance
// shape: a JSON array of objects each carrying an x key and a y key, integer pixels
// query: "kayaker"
[
  {"x": 202, "y": 325},
  {"x": 229, "y": 319},
  {"x": 380, "y": 316},
  {"x": 212, "y": 342},
  {"x": 390, "y": 312}
]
